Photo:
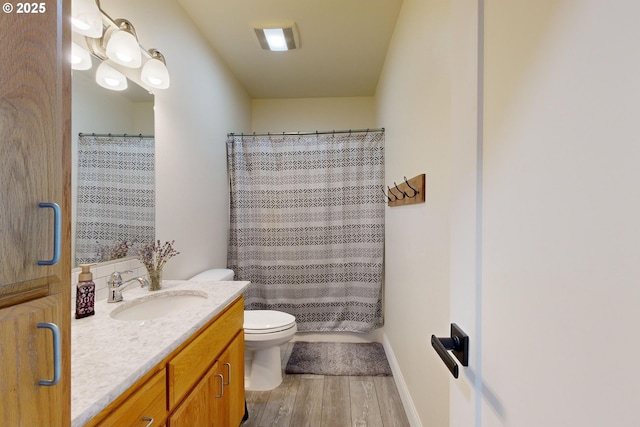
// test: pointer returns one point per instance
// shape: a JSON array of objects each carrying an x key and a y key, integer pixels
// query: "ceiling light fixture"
[{"x": 277, "y": 38}]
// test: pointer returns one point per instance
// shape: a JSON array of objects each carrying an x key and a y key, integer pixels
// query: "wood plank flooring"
[{"x": 327, "y": 401}]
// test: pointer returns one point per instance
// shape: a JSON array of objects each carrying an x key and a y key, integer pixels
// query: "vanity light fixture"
[
  {"x": 154, "y": 72},
  {"x": 116, "y": 42},
  {"x": 110, "y": 78},
  {"x": 86, "y": 18},
  {"x": 80, "y": 58},
  {"x": 277, "y": 38},
  {"x": 122, "y": 44}
]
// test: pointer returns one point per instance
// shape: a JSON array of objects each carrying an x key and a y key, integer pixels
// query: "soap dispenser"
[{"x": 85, "y": 293}]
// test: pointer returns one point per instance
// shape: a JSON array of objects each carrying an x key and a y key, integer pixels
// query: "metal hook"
[
  {"x": 415, "y": 192},
  {"x": 385, "y": 195},
  {"x": 391, "y": 192},
  {"x": 403, "y": 192},
  {"x": 396, "y": 187}
]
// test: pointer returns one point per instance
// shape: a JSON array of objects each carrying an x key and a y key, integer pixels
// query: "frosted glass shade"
[
  {"x": 123, "y": 49},
  {"x": 86, "y": 18},
  {"x": 110, "y": 78},
  {"x": 80, "y": 58},
  {"x": 155, "y": 74}
]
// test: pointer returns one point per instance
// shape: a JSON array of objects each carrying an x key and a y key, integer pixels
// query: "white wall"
[
  {"x": 558, "y": 217},
  {"x": 560, "y": 214},
  {"x": 192, "y": 118},
  {"x": 311, "y": 114},
  {"x": 413, "y": 99}
]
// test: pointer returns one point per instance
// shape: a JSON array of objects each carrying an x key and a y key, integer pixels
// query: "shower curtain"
[
  {"x": 116, "y": 195},
  {"x": 307, "y": 226}
]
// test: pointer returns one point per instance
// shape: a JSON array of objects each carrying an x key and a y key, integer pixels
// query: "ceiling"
[{"x": 343, "y": 44}]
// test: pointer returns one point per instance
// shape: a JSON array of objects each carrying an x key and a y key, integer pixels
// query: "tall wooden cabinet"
[{"x": 35, "y": 262}]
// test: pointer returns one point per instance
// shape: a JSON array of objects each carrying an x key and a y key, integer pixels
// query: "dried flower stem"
[{"x": 154, "y": 256}]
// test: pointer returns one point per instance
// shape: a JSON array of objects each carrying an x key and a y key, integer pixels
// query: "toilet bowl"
[{"x": 264, "y": 332}]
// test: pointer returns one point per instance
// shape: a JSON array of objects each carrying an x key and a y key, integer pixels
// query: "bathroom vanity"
[{"x": 181, "y": 369}]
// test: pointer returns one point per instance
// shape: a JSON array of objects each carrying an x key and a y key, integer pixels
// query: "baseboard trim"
[{"x": 407, "y": 401}]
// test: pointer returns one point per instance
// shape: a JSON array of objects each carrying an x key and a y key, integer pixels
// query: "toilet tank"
[{"x": 216, "y": 274}]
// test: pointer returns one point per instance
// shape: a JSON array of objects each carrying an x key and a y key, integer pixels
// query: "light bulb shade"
[
  {"x": 155, "y": 74},
  {"x": 86, "y": 18},
  {"x": 123, "y": 49},
  {"x": 80, "y": 58},
  {"x": 110, "y": 78}
]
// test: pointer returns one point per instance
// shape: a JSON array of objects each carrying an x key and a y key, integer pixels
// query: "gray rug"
[{"x": 330, "y": 358}]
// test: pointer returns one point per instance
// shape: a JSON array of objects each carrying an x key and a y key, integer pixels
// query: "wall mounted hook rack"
[{"x": 407, "y": 192}]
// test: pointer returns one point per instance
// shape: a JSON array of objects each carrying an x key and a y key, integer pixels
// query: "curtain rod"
[
  {"x": 117, "y": 135},
  {"x": 327, "y": 132}
]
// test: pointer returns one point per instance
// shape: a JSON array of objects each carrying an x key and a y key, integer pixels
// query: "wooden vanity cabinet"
[
  {"x": 200, "y": 384},
  {"x": 35, "y": 150},
  {"x": 218, "y": 398},
  {"x": 147, "y": 405}
]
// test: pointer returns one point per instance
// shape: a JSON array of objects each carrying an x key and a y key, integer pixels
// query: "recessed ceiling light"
[{"x": 277, "y": 38}]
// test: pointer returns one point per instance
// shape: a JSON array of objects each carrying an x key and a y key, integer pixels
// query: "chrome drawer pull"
[
  {"x": 221, "y": 386},
  {"x": 148, "y": 419},
  {"x": 57, "y": 231},
  {"x": 228, "y": 365},
  {"x": 56, "y": 353}
]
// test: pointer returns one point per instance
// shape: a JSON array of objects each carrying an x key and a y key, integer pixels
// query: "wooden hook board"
[{"x": 398, "y": 195}]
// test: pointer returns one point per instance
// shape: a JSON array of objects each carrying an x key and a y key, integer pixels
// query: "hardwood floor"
[{"x": 327, "y": 401}]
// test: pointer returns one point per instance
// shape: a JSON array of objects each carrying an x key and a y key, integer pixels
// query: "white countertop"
[{"x": 108, "y": 355}]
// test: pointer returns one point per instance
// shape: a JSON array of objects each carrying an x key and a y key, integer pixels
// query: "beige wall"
[
  {"x": 192, "y": 118},
  {"x": 311, "y": 114},
  {"x": 413, "y": 103}
]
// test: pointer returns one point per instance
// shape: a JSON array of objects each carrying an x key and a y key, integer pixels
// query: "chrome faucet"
[{"x": 115, "y": 286}]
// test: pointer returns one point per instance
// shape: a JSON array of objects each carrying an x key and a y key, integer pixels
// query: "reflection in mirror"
[{"x": 113, "y": 178}]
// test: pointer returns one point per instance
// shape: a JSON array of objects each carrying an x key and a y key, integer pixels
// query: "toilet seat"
[{"x": 267, "y": 321}]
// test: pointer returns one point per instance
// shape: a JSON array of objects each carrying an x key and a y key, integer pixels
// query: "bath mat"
[{"x": 332, "y": 358}]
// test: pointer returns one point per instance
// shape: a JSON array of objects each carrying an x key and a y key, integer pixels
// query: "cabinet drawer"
[
  {"x": 192, "y": 362},
  {"x": 148, "y": 401}
]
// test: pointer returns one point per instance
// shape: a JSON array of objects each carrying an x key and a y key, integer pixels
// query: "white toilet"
[{"x": 264, "y": 332}]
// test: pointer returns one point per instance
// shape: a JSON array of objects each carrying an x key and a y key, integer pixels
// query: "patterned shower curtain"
[
  {"x": 307, "y": 226},
  {"x": 116, "y": 196}
]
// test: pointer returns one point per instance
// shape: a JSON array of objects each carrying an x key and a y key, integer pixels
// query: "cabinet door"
[
  {"x": 35, "y": 152},
  {"x": 34, "y": 147},
  {"x": 26, "y": 352},
  {"x": 145, "y": 406},
  {"x": 232, "y": 369},
  {"x": 201, "y": 405}
]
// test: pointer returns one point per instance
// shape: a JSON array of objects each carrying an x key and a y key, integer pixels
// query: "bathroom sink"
[{"x": 159, "y": 305}]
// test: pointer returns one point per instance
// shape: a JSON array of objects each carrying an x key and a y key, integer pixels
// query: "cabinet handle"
[
  {"x": 57, "y": 231},
  {"x": 148, "y": 419},
  {"x": 56, "y": 353},
  {"x": 221, "y": 386},
  {"x": 228, "y": 365}
]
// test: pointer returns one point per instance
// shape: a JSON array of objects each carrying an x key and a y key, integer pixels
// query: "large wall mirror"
[{"x": 113, "y": 175}]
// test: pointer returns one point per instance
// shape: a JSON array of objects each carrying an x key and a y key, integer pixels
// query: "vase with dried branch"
[{"x": 154, "y": 256}]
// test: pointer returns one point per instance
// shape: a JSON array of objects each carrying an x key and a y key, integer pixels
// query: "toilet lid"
[{"x": 266, "y": 321}]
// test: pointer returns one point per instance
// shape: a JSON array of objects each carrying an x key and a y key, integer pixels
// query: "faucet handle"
[{"x": 115, "y": 279}]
